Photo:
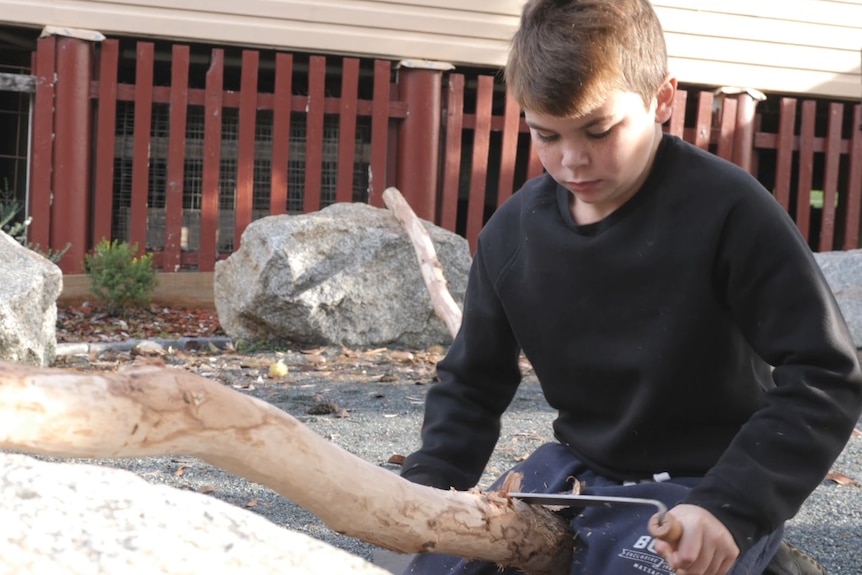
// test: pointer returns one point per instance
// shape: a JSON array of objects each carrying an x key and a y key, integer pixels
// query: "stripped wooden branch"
[
  {"x": 150, "y": 410},
  {"x": 432, "y": 272}
]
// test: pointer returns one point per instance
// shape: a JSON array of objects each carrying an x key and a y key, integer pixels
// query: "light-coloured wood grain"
[{"x": 150, "y": 410}]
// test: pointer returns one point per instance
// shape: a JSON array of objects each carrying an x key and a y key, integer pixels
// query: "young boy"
[{"x": 671, "y": 311}]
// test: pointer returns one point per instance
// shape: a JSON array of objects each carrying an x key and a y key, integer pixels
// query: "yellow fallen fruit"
[{"x": 277, "y": 369}]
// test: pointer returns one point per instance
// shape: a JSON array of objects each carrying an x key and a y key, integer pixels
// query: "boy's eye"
[
  {"x": 544, "y": 137},
  {"x": 600, "y": 135}
]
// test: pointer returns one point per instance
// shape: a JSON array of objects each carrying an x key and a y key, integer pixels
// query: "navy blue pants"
[{"x": 610, "y": 540}]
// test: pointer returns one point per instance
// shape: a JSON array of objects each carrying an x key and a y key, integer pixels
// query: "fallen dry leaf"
[
  {"x": 402, "y": 356},
  {"x": 147, "y": 348},
  {"x": 252, "y": 503},
  {"x": 315, "y": 359},
  {"x": 396, "y": 459},
  {"x": 207, "y": 489},
  {"x": 179, "y": 472},
  {"x": 842, "y": 479},
  {"x": 251, "y": 362}
]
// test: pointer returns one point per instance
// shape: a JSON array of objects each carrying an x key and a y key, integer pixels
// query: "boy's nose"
[{"x": 575, "y": 157}]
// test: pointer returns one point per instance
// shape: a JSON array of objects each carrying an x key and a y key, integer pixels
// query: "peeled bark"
[
  {"x": 151, "y": 410},
  {"x": 432, "y": 272}
]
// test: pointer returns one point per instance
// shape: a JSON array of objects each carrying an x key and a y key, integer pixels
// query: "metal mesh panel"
[
  {"x": 14, "y": 121},
  {"x": 194, "y": 163},
  {"x": 124, "y": 148},
  {"x": 193, "y": 170},
  {"x": 262, "y": 160},
  {"x": 329, "y": 167},
  {"x": 227, "y": 166},
  {"x": 157, "y": 184}
]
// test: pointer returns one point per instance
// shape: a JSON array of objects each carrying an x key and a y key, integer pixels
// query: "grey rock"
[
  {"x": 28, "y": 304},
  {"x": 347, "y": 274},
  {"x": 74, "y": 518},
  {"x": 843, "y": 271}
]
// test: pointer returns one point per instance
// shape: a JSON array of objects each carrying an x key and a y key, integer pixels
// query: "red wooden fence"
[
  {"x": 486, "y": 151},
  {"x": 725, "y": 125},
  {"x": 215, "y": 99}
]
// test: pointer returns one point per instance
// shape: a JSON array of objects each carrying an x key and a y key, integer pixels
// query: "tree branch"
[
  {"x": 151, "y": 410},
  {"x": 432, "y": 272}
]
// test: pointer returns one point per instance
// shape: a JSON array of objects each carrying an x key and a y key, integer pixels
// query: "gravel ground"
[{"x": 377, "y": 400}]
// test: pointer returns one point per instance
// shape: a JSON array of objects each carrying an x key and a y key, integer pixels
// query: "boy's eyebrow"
[{"x": 537, "y": 126}]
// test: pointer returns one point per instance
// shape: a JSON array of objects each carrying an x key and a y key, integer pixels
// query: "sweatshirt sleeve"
[
  {"x": 775, "y": 291},
  {"x": 477, "y": 380}
]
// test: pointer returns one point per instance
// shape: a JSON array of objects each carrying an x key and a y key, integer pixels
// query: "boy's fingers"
[
  {"x": 707, "y": 561},
  {"x": 688, "y": 553},
  {"x": 666, "y": 528},
  {"x": 705, "y": 547}
]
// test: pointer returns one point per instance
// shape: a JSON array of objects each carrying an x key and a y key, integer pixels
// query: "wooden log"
[
  {"x": 432, "y": 272},
  {"x": 149, "y": 410}
]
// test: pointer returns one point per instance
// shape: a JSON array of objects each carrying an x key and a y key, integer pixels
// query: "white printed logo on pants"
[{"x": 644, "y": 558}]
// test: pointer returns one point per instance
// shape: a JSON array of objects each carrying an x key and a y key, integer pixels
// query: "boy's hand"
[{"x": 706, "y": 546}]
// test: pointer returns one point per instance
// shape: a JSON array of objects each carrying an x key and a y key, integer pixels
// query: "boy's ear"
[{"x": 664, "y": 100}]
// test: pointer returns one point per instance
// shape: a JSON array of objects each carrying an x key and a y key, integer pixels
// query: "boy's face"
[{"x": 602, "y": 158}]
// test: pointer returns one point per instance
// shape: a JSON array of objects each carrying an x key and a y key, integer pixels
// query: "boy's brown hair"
[{"x": 567, "y": 55}]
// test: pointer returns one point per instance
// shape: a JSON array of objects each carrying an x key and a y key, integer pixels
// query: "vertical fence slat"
[
  {"x": 452, "y": 152},
  {"x": 43, "y": 144},
  {"x": 70, "y": 209},
  {"x": 806, "y": 167},
  {"x": 245, "y": 153},
  {"x": 347, "y": 130},
  {"x": 830, "y": 178},
  {"x": 754, "y": 159},
  {"x": 726, "y": 128},
  {"x": 281, "y": 133},
  {"x": 784, "y": 159},
  {"x": 141, "y": 149},
  {"x": 393, "y": 139},
  {"x": 379, "y": 132},
  {"x": 414, "y": 163},
  {"x": 854, "y": 188},
  {"x": 743, "y": 145},
  {"x": 479, "y": 165},
  {"x": 509, "y": 150},
  {"x": 314, "y": 134},
  {"x": 103, "y": 192},
  {"x": 172, "y": 259},
  {"x": 676, "y": 126},
  {"x": 703, "y": 122},
  {"x": 211, "y": 161}
]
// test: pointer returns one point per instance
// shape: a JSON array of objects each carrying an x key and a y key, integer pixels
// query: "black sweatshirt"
[{"x": 653, "y": 332}]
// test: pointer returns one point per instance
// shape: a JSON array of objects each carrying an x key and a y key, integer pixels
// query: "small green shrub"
[
  {"x": 118, "y": 277},
  {"x": 9, "y": 208}
]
